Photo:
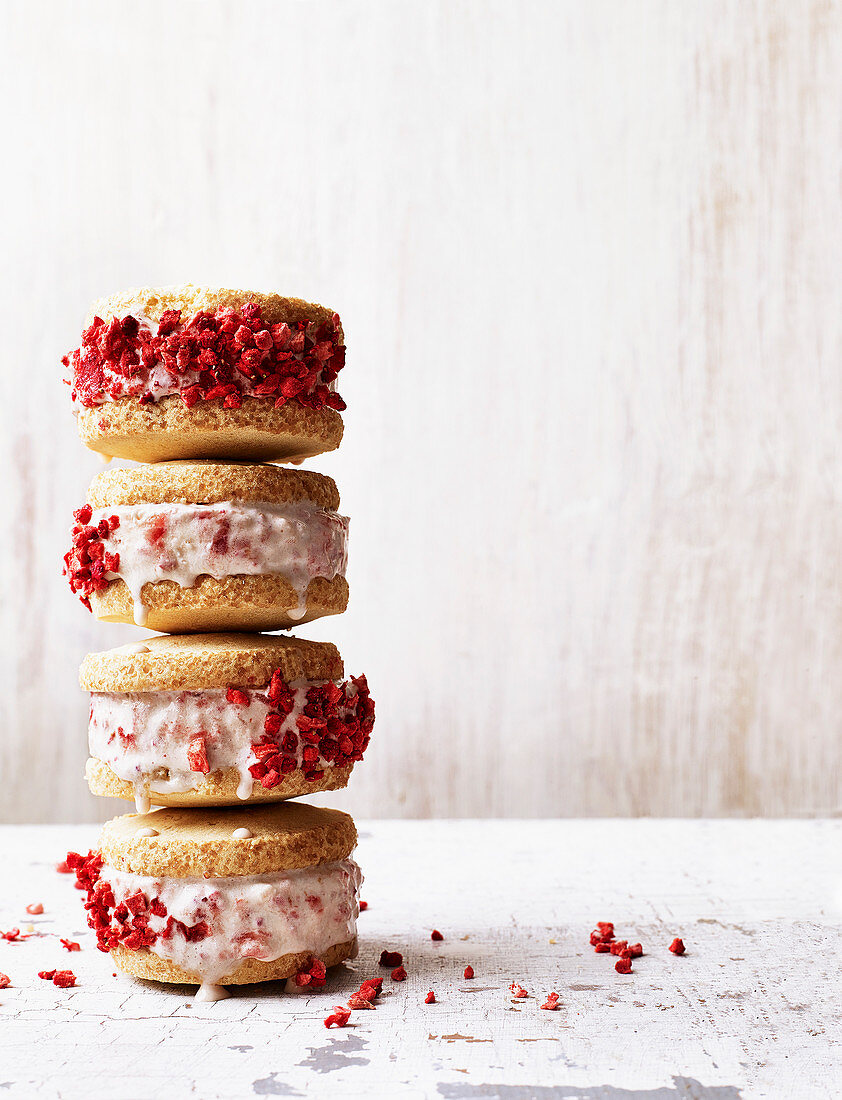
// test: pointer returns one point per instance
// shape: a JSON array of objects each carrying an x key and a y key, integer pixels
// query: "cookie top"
[
  {"x": 209, "y": 482},
  {"x": 200, "y": 843},
  {"x": 195, "y": 661},
  {"x": 153, "y": 301}
]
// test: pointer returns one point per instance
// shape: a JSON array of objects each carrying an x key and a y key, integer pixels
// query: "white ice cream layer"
[
  {"x": 249, "y": 917},
  {"x": 144, "y": 736},
  {"x": 182, "y": 542}
]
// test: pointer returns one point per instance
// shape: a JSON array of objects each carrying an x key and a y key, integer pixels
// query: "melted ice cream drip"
[
  {"x": 208, "y": 991},
  {"x": 144, "y": 736},
  {"x": 249, "y": 917},
  {"x": 181, "y": 542}
]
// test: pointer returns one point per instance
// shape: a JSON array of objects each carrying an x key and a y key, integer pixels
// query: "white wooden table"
[{"x": 752, "y": 1009}]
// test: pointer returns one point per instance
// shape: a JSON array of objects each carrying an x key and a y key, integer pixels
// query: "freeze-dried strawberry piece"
[
  {"x": 469, "y": 972},
  {"x": 64, "y": 868},
  {"x": 35, "y": 909},
  {"x": 64, "y": 979},
  {"x": 5, "y": 981},
  {"x": 623, "y": 965},
  {"x": 226, "y": 355},
  {"x": 399, "y": 974},
  {"x": 313, "y": 977},
  {"x": 436, "y": 935},
  {"x": 551, "y": 1002},
  {"x": 12, "y": 935},
  {"x": 677, "y": 946},
  {"x": 237, "y": 696},
  {"x": 634, "y": 951},
  {"x": 430, "y": 999},
  {"x": 358, "y": 1000},
  {"x": 602, "y": 948},
  {"x": 619, "y": 946},
  {"x": 370, "y": 988},
  {"x": 518, "y": 990},
  {"x": 47, "y": 975},
  {"x": 391, "y": 958},
  {"x": 339, "y": 1017},
  {"x": 197, "y": 754},
  {"x": 69, "y": 945},
  {"x": 363, "y": 905}
]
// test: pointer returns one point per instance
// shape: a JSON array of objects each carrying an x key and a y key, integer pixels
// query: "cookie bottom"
[
  {"x": 167, "y": 429},
  {"x": 217, "y": 788},
  {"x": 145, "y": 964},
  {"x": 252, "y": 603}
]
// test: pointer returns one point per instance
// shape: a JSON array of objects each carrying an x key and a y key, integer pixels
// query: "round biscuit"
[{"x": 200, "y": 842}]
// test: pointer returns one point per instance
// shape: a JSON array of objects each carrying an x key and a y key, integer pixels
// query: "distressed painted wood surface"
[
  {"x": 751, "y": 1012},
  {"x": 588, "y": 256}
]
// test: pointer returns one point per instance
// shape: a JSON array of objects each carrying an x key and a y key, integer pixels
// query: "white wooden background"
[{"x": 588, "y": 256}]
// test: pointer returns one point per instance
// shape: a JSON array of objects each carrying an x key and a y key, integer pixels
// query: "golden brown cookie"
[
  {"x": 202, "y": 842},
  {"x": 225, "y": 896},
  {"x": 188, "y": 371},
  {"x": 204, "y": 546},
  {"x": 207, "y": 720}
]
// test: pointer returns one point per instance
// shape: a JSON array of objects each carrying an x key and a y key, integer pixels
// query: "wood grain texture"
[
  {"x": 588, "y": 259},
  {"x": 751, "y": 1012}
]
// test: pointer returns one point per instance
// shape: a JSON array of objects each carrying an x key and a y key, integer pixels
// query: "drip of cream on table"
[
  {"x": 298, "y": 541},
  {"x": 144, "y": 736},
  {"x": 250, "y": 917}
]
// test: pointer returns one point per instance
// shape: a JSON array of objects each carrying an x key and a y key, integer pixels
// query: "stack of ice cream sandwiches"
[{"x": 209, "y": 541}]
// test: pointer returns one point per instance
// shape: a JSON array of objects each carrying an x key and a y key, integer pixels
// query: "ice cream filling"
[
  {"x": 210, "y": 926},
  {"x": 182, "y": 542},
  {"x": 148, "y": 738},
  {"x": 227, "y": 356}
]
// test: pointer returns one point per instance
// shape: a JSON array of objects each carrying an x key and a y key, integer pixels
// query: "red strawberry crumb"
[
  {"x": 64, "y": 868},
  {"x": 602, "y": 948},
  {"x": 335, "y": 726},
  {"x": 12, "y": 935},
  {"x": 606, "y": 927},
  {"x": 238, "y": 697},
  {"x": 469, "y": 972},
  {"x": 69, "y": 945},
  {"x": 430, "y": 999},
  {"x": 35, "y": 909},
  {"x": 314, "y": 977},
  {"x": 399, "y": 974},
  {"x": 634, "y": 950},
  {"x": 339, "y": 1017},
  {"x": 197, "y": 754},
  {"x": 370, "y": 989},
  {"x": 357, "y": 1000},
  {"x": 64, "y": 979},
  {"x": 47, "y": 975},
  {"x": 5, "y": 981},
  {"x": 518, "y": 990},
  {"x": 551, "y": 1002},
  {"x": 226, "y": 356},
  {"x": 363, "y": 906},
  {"x": 619, "y": 946},
  {"x": 436, "y": 935},
  {"x": 623, "y": 966},
  {"x": 391, "y": 958},
  {"x": 677, "y": 946}
]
